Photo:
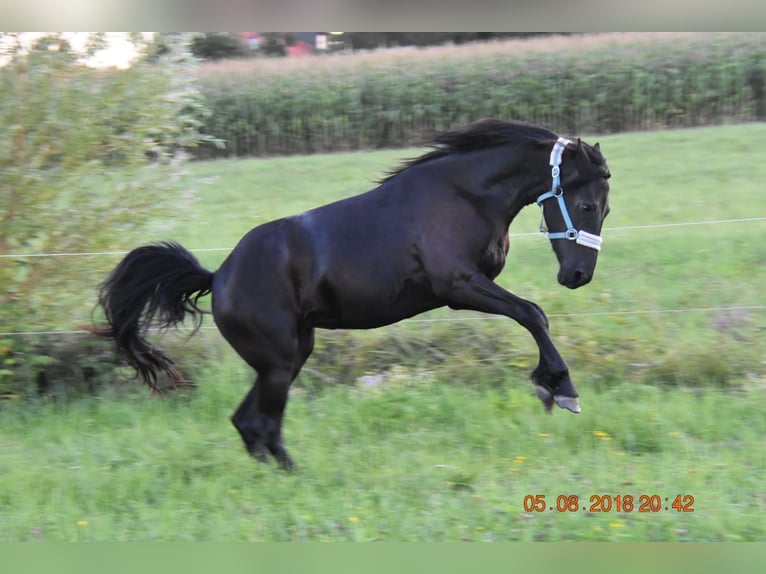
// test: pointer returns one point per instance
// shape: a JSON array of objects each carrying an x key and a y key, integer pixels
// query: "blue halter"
[{"x": 572, "y": 234}]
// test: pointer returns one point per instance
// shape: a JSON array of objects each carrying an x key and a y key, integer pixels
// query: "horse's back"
[{"x": 349, "y": 264}]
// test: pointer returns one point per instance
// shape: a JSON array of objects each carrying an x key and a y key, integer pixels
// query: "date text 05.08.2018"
[{"x": 609, "y": 503}]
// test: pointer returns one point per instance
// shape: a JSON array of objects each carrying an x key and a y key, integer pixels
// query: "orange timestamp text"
[{"x": 610, "y": 503}]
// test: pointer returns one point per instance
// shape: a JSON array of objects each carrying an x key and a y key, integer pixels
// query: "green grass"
[
  {"x": 425, "y": 461},
  {"x": 450, "y": 441}
]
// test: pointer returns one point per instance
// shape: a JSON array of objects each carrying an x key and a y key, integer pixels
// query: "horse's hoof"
[
  {"x": 282, "y": 457},
  {"x": 569, "y": 403},
  {"x": 287, "y": 465},
  {"x": 258, "y": 452}
]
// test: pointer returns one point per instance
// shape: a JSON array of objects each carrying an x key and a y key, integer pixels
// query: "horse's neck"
[{"x": 510, "y": 177}]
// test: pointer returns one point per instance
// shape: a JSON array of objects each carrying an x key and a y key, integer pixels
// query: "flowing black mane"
[
  {"x": 478, "y": 135},
  {"x": 485, "y": 134}
]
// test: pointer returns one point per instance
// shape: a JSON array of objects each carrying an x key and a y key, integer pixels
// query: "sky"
[{"x": 120, "y": 52}]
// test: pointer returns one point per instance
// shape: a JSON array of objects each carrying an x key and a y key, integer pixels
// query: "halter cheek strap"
[{"x": 578, "y": 236}]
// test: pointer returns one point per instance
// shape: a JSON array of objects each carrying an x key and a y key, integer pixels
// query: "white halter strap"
[{"x": 578, "y": 236}]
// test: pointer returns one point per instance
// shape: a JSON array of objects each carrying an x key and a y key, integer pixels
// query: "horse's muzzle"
[{"x": 574, "y": 278}]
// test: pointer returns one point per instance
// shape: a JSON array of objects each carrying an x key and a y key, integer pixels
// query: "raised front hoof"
[
  {"x": 549, "y": 399},
  {"x": 569, "y": 403}
]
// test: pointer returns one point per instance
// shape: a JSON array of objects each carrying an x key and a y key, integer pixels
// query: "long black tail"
[{"x": 153, "y": 285}]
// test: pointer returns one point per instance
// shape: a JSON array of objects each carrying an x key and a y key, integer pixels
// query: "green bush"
[
  {"x": 64, "y": 126},
  {"x": 580, "y": 84}
]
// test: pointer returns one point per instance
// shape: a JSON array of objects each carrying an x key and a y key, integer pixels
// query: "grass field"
[{"x": 450, "y": 440}]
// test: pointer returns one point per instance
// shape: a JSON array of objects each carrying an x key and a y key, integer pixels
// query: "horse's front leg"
[{"x": 473, "y": 290}]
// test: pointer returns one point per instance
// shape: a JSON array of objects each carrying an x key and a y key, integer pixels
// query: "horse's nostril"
[{"x": 578, "y": 276}]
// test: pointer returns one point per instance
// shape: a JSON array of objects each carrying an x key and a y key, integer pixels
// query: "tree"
[
  {"x": 87, "y": 157},
  {"x": 275, "y": 43},
  {"x": 218, "y": 46}
]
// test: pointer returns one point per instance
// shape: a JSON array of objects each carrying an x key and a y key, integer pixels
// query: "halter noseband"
[{"x": 579, "y": 236}]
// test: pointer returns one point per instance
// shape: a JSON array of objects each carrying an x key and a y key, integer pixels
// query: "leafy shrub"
[{"x": 64, "y": 126}]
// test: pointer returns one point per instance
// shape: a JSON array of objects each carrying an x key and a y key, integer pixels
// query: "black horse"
[{"x": 433, "y": 233}]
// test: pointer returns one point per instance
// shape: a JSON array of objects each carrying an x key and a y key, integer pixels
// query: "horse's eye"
[{"x": 587, "y": 207}]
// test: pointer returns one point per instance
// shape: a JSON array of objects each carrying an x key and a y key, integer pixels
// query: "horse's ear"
[
  {"x": 575, "y": 146},
  {"x": 583, "y": 157},
  {"x": 597, "y": 147}
]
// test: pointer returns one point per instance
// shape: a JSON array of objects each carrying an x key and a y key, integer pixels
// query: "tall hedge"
[
  {"x": 88, "y": 158},
  {"x": 581, "y": 84}
]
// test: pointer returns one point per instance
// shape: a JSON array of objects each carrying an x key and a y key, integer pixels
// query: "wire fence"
[
  {"x": 467, "y": 318},
  {"x": 725, "y": 308},
  {"x": 525, "y": 234}
]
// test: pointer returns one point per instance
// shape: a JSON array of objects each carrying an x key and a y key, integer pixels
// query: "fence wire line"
[
  {"x": 463, "y": 319},
  {"x": 526, "y": 234}
]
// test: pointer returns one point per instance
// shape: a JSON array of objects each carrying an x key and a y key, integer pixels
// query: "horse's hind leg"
[{"x": 259, "y": 417}]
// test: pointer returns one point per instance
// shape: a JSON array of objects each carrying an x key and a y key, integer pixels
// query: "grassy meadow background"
[{"x": 429, "y": 429}]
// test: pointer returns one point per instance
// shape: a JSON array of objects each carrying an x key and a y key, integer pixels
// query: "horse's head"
[{"x": 574, "y": 209}]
